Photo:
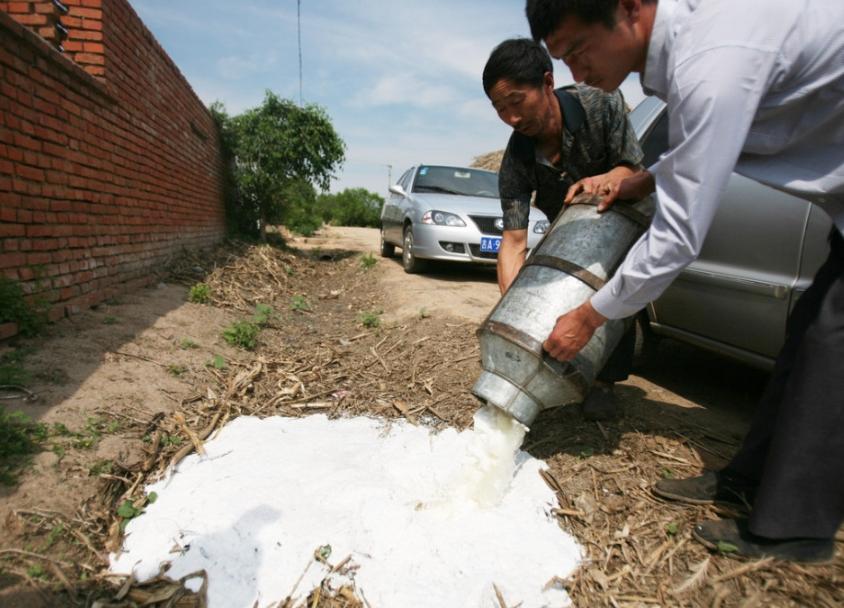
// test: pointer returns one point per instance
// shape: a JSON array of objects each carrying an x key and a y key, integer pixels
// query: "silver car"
[
  {"x": 760, "y": 255},
  {"x": 447, "y": 213}
]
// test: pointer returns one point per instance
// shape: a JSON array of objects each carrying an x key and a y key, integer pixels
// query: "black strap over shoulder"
[{"x": 573, "y": 113}]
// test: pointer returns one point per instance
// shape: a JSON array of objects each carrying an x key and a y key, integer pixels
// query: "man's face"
[
  {"x": 597, "y": 55},
  {"x": 524, "y": 107}
]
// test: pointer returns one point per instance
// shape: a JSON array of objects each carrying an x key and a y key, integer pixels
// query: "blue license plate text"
[{"x": 490, "y": 244}]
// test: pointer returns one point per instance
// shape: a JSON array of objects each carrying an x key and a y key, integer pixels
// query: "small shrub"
[
  {"x": 243, "y": 334},
  {"x": 367, "y": 261},
  {"x": 200, "y": 294},
  {"x": 188, "y": 344},
  {"x": 110, "y": 320},
  {"x": 262, "y": 315},
  {"x": 371, "y": 318}
]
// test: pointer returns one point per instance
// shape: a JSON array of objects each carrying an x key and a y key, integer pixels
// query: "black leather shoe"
[
  {"x": 601, "y": 403},
  {"x": 709, "y": 488},
  {"x": 731, "y": 536}
]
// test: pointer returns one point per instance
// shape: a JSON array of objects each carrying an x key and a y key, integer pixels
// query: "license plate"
[{"x": 490, "y": 244}]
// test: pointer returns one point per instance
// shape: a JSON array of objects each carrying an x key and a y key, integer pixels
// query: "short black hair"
[
  {"x": 545, "y": 15},
  {"x": 519, "y": 60}
]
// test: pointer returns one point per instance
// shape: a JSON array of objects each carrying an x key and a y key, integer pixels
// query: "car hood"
[{"x": 468, "y": 205}]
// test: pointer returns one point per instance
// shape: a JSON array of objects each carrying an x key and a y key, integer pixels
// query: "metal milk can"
[{"x": 578, "y": 254}]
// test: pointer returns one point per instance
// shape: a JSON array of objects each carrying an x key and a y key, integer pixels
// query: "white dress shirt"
[{"x": 755, "y": 87}]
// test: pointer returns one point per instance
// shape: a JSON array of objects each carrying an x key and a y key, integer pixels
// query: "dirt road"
[
  {"x": 681, "y": 375},
  {"x": 457, "y": 289}
]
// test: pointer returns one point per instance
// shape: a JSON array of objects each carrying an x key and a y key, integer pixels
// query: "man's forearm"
[{"x": 511, "y": 257}]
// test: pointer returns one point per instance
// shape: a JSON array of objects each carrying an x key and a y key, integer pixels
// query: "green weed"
[
  {"x": 217, "y": 362},
  {"x": 128, "y": 510},
  {"x": 368, "y": 260},
  {"x": 262, "y": 315},
  {"x": 188, "y": 344},
  {"x": 172, "y": 440},
  {"x": 299, "y": 303},
  {"x": 586, "y": 453},
  {"x": 200, "y": 294},
  {"x": 99, "y": 467},
  {"x": 176, "y": 369},
  {"x": 36, "y": 571},
  {"x": 243, "y": 334},
  {"x": 371, "y": 318},
  {"x": 20, "y": 437},
  {"x": 29, "y": 313},
  {"x": 725, "y": 547},
  {"x": 55, "y": 533}
]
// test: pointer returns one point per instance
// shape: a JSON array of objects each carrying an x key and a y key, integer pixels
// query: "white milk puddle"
[{"x": 432, "y": 520}]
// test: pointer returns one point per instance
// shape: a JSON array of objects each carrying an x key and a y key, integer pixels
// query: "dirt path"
[
  {"x": 109, "y": 380},
  {"x": 460, "y": 290}
]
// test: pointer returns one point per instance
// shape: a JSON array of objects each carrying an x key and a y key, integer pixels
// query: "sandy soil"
[
  {"x": 102, "y": 376},
  {"x": 462, "y": 290}
]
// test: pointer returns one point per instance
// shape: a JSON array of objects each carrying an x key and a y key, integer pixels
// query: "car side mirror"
[{"x": 397, "y": 189}]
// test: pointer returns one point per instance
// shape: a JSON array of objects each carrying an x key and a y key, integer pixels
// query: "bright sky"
[{"x": 401, "y": 81}]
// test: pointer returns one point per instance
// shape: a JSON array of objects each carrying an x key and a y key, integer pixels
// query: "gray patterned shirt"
[{"x": 596, "y": 138}]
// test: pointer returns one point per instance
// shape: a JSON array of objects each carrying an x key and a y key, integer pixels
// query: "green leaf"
[
  {"x": 127, "y": 510},
  {"x": 152, "y": 497},
  {"x": 725, "y": 547},
  {"x": 672, "y": 528}
]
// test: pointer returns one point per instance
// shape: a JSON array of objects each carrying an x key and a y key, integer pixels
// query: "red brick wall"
[{"x": 109, "y": 163}]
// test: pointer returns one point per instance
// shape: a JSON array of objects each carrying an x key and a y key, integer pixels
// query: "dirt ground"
[{"x": 132, "y": 386}]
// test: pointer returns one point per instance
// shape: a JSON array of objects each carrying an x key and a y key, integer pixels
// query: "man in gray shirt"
[
  {"x": 564, "y": 140},
  {"x": 763, "y": 96}
]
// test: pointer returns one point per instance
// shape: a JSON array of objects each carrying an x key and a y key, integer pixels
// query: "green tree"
[
  {"x": 300, "y": 213},
  {"x": 273, "y": 147},
  {"x": 351, "y": 207}
]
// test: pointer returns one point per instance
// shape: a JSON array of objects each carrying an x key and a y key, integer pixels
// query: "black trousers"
[
  {"x": 794, "y": 450},
  {"x": 620, "y": 363}
]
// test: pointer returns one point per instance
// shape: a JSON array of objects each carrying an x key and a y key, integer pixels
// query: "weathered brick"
[{"x": 104, "y": 186}]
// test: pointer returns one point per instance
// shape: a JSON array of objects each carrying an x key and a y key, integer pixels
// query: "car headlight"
[
  {"x": 442, "y": 218},
  {"x": 541, "y": 227}
]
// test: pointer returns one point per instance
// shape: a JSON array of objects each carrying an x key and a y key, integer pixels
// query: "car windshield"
[{"x": 456, "y": 180}]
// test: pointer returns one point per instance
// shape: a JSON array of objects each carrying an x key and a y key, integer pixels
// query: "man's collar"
[{"x": 653, "y": 78}]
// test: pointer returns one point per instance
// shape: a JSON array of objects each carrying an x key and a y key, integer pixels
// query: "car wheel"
[
  {"x": 410, "y": 262},
  {"x": 388, "y": 250}
]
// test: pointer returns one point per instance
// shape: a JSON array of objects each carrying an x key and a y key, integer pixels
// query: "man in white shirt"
[{"x": 761, "y": 93}]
